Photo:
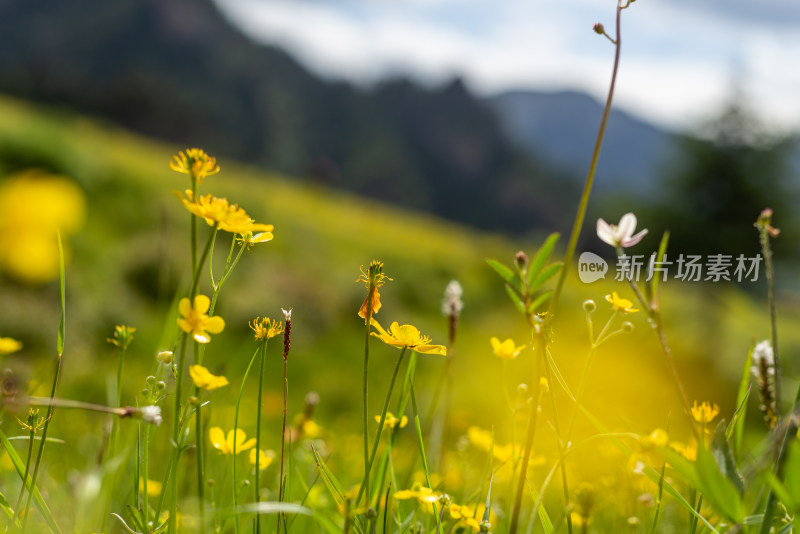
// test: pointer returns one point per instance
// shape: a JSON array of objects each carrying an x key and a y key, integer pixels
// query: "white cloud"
[{"x": 678, "y": 64}]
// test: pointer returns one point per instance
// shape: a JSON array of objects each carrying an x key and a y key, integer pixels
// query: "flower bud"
[
  {"x": 521, "y": 259},
  {"x": 599, "y": 28},
  {"x": 589, "y": 306},
  {"x": 165, "y": 356}
]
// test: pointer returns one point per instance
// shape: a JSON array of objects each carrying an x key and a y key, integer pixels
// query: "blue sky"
[{"x": 681, "y": 59}]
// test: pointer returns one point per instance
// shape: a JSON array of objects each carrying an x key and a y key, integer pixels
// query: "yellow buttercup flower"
[
  {"x": 407, "y": 336},
  {"x": 225, "y": 444},
  {"x": 392, "y": 421},
  {"x": 203, "y": 379},
  {"x": 265, "y": 458},
  {"x": 194, "y": 162},
  {"x": 507, "y": 349},
  {"x": 265, "y": 328},
  {"x": 195, "y": 320},
  {"x": 9, "y": 345},
  {"x": 704, "y": 413},
  {"x": 229, "y": 217},
  {"x": 620, "y": 304}
]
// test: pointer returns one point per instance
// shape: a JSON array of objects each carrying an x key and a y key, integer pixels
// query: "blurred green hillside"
[{"x": 129, "y": 264}]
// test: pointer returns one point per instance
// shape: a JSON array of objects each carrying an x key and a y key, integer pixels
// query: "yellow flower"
[
  {"x": 265, "y": 328},
  {"x": 195, "y": 320},
  {"x": 620, "y": 304},
  {"x": 196, "y": 163},
  {"x": 203, "y": 379},
  {"x": 423, "y": 494},
  {"x": 264, "y": 458},
  {"x": 225, "y": 444},
  {"x": 506, "y": 350},
  {"x": 34, "y": 207},
  {"x": 704, "y": 413},
  {"x": 392, "y": 421},
  {"x": 229, "y": 217},
  {"x": 9, "y": 345},
  {"x": 407, "y": 336},
  {"x": 374, "y": 278},
  {"x": 153, "y": 487},
  {"x": 687, "y": 451}
]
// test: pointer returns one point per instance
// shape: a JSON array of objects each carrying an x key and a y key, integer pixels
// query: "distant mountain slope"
[
  {"x": 562, "y": 127},
  {"x": 180, "y": 71}
]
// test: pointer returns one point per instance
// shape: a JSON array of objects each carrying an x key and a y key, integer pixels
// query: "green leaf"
[
  {"x": 653, "y": 296},
  {"x": 544, "y": 276},
  {"x": 547, "y": 524},
  {"x": 721, "y": 451},
  {"x": 61, "y": 276},
  {"x": 19, "y": 465},
  {"x": 538, "y": 301},
  {"x": 791, "y": 473},
  {"x": 506, "y": 274},
  {"x": 333, "y": 485},
  {"x": 541, "y": 257},
  {"x": 515, "y": 299},
  {"x": 7, "y": 508},
  {"x": 717, "y": 488}
]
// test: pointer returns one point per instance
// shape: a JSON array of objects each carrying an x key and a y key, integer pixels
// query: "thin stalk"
[
  {"x": 24, "y": 477},
  {"x": 145, "y": 499},
  {"x": 418, "y": 428},
  {"x": 587, "y": 188},
  {"x": 235, "y": 428},
  {"x": 112, "y": 444},
  {"x": 257, "y": 481},
  {"x": 773, "y": 318},
  {"x": 283, "y": 432},
  {"x": 136, "y": 473},
  {"x": 41, "y": 445},
  {"x": 381, "y": 423},
  {"x": 176, "y": 431},
  {"x": 367, "y": 462}
]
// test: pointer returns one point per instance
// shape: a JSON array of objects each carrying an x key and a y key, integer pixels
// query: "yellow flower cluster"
[
  {"x": 228, "y": 217},
  {"x": 265, "y": 328},
  {"x": 194, "y": 162}
]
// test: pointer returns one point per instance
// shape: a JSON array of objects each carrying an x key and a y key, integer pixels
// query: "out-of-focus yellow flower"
[
  {"x": 35, "y": 206},
  {"x": 203, "y": 379},
  {"x": 407, "y": 336},
  {"x": 229, "y": 217},
  {"x": 422, "y": 494},
  {"x": 9, "y": 345},
  {"x": 123, "y": 335},
  {"x": 373, "y": 278},
  {"x": 620, "y": 304},
  {"x": 195, "y": 320},
  {"x": 705, "y": 413},
  {"x": 264, "y": 458},
  {"x": 194, "y": 162},
  {"x": 687, "y": 451},
  {"x": 392, "y": 421},
  {"x": 265, "y": 328},
  {"x": 153, "y": 487},
  {"x": 225, "y": 444},
  {"x": 507, "y": 349}
]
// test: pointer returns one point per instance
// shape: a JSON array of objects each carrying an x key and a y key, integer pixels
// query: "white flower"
[
  {"x": 287, "y": 314},
  {"x": 151, "y": 414},
  {"x": 763, "y": 358},
  {"x": 620, "y": 235},
  {"x": 451, "y": 304}
]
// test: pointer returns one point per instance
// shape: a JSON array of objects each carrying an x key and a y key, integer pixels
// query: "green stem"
[
  {"x": 367, "y": 462},
  {"x": 773, "y": 319},
  {"x": 176, "y": 431},
  {"x": 25, "y": 476},
  {"x": 145, "y": 499},
  {"x": 235, "y": 428},
  {"x": 112, "y": 446},
  {"x": 281, "y": 487},
  {"x": 380, "y": 424},
  {"x": 587, "y": 188},
  {"x": 421, "y": 444},
  {"x": 39, "y": 455},
  {"x": 257, "y": 481}
]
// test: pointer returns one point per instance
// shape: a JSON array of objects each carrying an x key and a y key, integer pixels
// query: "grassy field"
[{"x": 128, "y": 263}]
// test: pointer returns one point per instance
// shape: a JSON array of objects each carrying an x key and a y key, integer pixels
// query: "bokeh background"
[{"x": 429, "y": 134}]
